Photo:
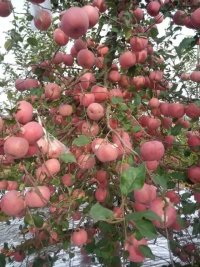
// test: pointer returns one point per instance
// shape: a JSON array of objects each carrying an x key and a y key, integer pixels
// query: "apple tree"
[{"x": 100, "y": 138}]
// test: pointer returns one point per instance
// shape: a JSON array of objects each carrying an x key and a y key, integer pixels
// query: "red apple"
[
  {"x": 165, "y": 210},
  {"x": 5, "y": 8},
  {"x": 48, "y": 169},
  {"x": 79, "y": 44},
  {"x": 192, "y": 111},
  {"x": 79, "y": 238},
  {"x": 87, "y": 99},
  {"x": 100, "y": 93},
  {"x": 101, "y": 194},
  {"x": 17, "y": 147},
  {"x": 153, "y": 8},
  {"x": 75, "y": 22},
  {"x": 152, "y": 150},
  {"x": 146, "y": 194},
  {"x": 197, "y": 196},
  {"x": 3, "y": 184},
  {"x": 85, "y": 58},
  {"x": 12, "y": 203},
  {"x": 173, "y": 197},
  {"x": 152, "y": 165},
  {"x": 12, "y": 185},
  {"x": 132, "y": 245},
  {"x": 24, "y": 112},
  {"x": 127, "y": 59},
  {"x": 43, "y": 20},
  {"x": 138, "y": 14},
  {"x": 114, "y": 76},
  {"x": 138, "y": 43},
  {"x": 65, "y": 110},
  {"x": 60, "y": 37},
  {"x": 154, "y": 102},
  {"x": 95, "y": 111},
  {"x": 67, "y": 179},
  {"x": 52, "y": 91},
  {"x": 176, "y": 110},
  {"x": 86, "y": 161},
  {"x": 106, "y": 152},
  {"x": 19, "y": 256},
  {"x": 32, "y": 132},
  {"x": 93, "y": 15},
  {"x": 90, "y": 129},
  {"x": 195, "y": 18},
  {"x": 37, "y": 197},
  {"x": 194, "y": 174}
]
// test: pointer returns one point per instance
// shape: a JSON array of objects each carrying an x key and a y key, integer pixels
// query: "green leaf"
[
  {"x": 34, "y": 219},
  {"x": 39, "y": 71},
  {"x": 123, "y": 107},
  {"x": 196, "y": 228},
  {"x": 197, "y": 102},
  {"x": 5, "y": 245},
  {"x": 115, "y": 29},
  {"x": 2, "y": 260},
  {"x": 186, "y": 195},
  {"x": 137, "y": 100},
  {"x": 66, "y": 244},
  {"x": 67, "y": 158},
  {"x": 106, "y": 227},
  {"x": 149, "y": 215},
  {"x": 38, "y": 220},
  {"x": 132, "y": 178},
  {"x": 178, "y": 176},
  {"x": 176, "y": 129},
  {"x": 90, "y": 247},
  {"x": 187, "y": 152},
  {"x": 65, "y": 225},
  {"x": 38, "y": 262},
  {"x": 136, "y": 129},
  {"x": 1, "y": 58},
  {"x": 154, "y": 32},
  {"x": 36, "y": 91},
  {"x": 161, "y": 180},
  {"x": 82, "y": 140},
  {"x": 137, "y": 234},
  {"x": 71, "y": 255},
  {"x": 28, "y": 219},
  {"x": 29, "y": 17},
  {"x": 185, "y": 45},
  {"x": 134, "y": 264},
  {"x": 8, "y": 45},
  {"x": 128, "y": 33},
  {"x": 32, "y": 41},
  {"x": 146, "y": 228},
  {"x": 117, "y": 100},
  {"x": 189, "y": 208},
  {"x": 182, "y": 221},
  {"x": 99, "y": 213},
  {"x": 146, "y": 251}
]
